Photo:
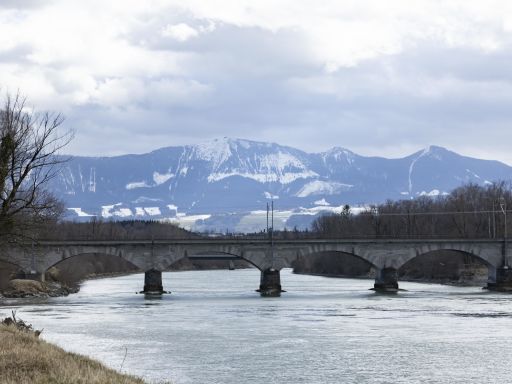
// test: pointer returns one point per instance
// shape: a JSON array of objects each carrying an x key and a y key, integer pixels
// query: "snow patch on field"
[
  {"x": 153, "y": 211},
  {"x": 270, "y": 196},
  {"x": 144, "y": 199},
  {"x": 123, "y": 212},
  {"x": 433, "y": 193},
  {"x": 322, "y": 202},
  {"x": 186, "y": 222},
  {"x": 106, "y": 210},
  {"x": 80, "y": 213}
]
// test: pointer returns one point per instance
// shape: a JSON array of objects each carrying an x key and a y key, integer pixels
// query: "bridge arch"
[
  {"x": 214, "y": 255},
  {"x": 448, "y": 265},
  {"x": 100, "y": 258},
  {"x": 491, "y": 258},
  {"x": 57, "y": 255},
  {"x": 341, "y": 249},
  {"x": 335, "y": 263}
]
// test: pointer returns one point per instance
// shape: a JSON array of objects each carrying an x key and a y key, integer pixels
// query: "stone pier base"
[
  {"x": 386, "y": 280},
  {"x": 31, "y": 276},
  {"x": 501, "y": 280},
  {"x": 270, "y": 283},
  {"x": 153, "y": 282}
]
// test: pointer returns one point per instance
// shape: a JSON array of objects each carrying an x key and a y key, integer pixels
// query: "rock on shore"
[{"x": 19, "y": 288}]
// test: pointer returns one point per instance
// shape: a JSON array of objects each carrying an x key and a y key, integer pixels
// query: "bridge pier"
[
  {"x": 153, "y": 282},
  {"x": 500, "y": 279},
  {"x": 270, "y": 283},
  {"x": 386, "y": 280}
]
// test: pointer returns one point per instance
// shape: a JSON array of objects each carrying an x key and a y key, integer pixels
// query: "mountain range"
[{"x": 221, "y": 184}]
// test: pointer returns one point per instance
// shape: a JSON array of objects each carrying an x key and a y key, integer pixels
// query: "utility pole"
[
  {"x": 272, "y": 231},
  {"x": 493, "y": 219},
  {"x": 272, "y": 234},
  {"x": 268, "y": 234},
  {"x": 503, "y": 206}
]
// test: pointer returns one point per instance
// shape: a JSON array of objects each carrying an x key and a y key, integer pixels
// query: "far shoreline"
[{"x": 453, "y": 283}]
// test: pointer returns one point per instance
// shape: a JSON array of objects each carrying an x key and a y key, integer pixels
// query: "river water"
[{"x": 214, "y": 328}]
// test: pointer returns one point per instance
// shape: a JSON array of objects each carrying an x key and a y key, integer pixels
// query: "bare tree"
[{"x": 29, "y": 143}]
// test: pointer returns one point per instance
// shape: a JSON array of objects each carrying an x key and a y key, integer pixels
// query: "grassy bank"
[{"x": 24, "y": 358}]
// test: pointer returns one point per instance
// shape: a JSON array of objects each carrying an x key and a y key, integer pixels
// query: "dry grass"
[{"x": 26, "y": 359}]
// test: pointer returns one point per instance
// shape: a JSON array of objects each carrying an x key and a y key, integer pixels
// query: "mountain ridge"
[{"x": 236, "y": 176}]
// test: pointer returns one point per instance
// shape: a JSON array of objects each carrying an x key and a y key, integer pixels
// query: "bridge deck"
[{"x": 177, "y": 242}]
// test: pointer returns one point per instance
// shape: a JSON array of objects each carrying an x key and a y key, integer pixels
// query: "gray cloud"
[
  {"x": 23, "y": 4},
  {"x": 177, "y": 76}
]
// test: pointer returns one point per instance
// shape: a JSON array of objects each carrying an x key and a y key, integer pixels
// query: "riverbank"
[
  {"x": 65, "y": 277},
  {"x": 447, "y": 267},
  {"x": 25, "y": 358},
  {"x": 22, "y": 288},
  {"x": 477, "y": 282}
]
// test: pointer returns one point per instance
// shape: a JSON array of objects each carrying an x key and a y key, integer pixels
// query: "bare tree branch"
[{"x": 29, "y": 146}]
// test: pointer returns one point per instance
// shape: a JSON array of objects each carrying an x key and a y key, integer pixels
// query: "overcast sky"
[{"x": 378, "y": 77}]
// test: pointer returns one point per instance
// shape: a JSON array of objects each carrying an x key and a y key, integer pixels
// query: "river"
[{"x": 214, "y": 328}]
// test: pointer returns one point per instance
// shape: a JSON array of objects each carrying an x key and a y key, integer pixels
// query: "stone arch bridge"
[{"x": 154, "y": 256}]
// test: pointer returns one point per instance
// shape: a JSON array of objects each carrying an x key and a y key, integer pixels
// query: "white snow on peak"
[
  {"x": 279, "y": 167},
  {"x": 279, "y": 162},
  {"x": 139, "y": 211},
  {"x": 160, "y": 178},
  {"x": 322, "y": 202},
  {"x": 319, "y": 187},
  {"x": 244, "y": 144},
  {"x": 339, "y": 154},
  {"x": 216, "y": 151},
  {"x": 434, "y": 152}
]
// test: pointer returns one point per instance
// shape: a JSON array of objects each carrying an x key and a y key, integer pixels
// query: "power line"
[{"x": 376, "y": 213}]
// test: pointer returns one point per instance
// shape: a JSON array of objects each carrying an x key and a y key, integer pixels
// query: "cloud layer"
[{"x": 380, "y": 78}]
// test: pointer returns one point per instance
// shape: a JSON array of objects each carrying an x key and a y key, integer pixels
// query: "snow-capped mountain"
[{"x": 232, "y": 177}]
